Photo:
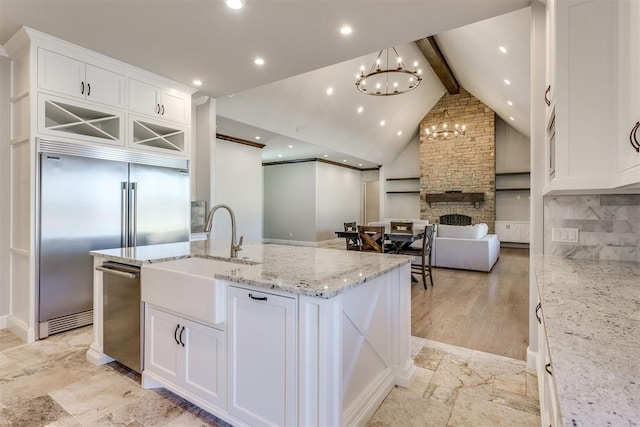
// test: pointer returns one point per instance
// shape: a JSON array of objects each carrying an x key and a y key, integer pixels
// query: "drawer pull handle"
[
  {"x": 181, "y": 332},
  {"x": 257, "y": 298},
  {"x": 158, "y": 109},
  {"x": 81, "y": 88},
  {"x": 547, "y": 368},
  {"x": 175, "y": 335},
  {"x": 88, "y": 89},
  {"x": 163, "y": 110},
  {"x": 633, "y": 137},
  {"x": 546, "y": 92},
  {"x": 538, "y": 307}
]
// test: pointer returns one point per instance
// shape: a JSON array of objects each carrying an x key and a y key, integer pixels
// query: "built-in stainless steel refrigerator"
[{"x": 95, "y": 198}]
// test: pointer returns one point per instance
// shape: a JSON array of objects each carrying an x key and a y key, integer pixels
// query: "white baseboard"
[
  {"x": 97, "y": 357},
  {"x": 363, "y": 408},
  {"x": 21, "y": 329},
  {"x": 3, "y": 321},
  {"x": 404, "y": 375},
  {"x": 532, "y": 360}
]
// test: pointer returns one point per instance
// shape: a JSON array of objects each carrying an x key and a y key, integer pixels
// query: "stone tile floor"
[{"x": 50, "y": 383}]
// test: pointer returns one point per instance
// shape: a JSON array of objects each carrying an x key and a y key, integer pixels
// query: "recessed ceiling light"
[
  {"x": 383, "y": 122},
  {"x": 197, "y": 82},
  {"x": 510, "y": 103},
  {"x": 257, "y": 136},
  {"x": 399, "y": 133},
  {"x": 359, "y": 164},
  {"x": 326, "y": 155},
  {"x": 360, "y": 109},
  {"x": 503, "y": 49},
  {"x": 329, "y": 90},
  {"x": 345, "y": 160},
  {"x": 290, "y": 146},
  {"x": 507, "y": 81},
  {"x": 234, "y": 4},
  {"x": 279, "y": 155},
  {"x": 346, "y": 30},
  {"x": 511, "y": 118},
  {"x": 258, "y": 61}
]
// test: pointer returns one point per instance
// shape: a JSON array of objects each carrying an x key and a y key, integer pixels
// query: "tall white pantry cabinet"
[{"x": 65, "y": 93}]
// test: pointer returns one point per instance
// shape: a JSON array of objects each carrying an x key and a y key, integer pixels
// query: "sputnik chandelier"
[
  {"x": 390, "y": 80},
  {"x": 443, "y": 130}
]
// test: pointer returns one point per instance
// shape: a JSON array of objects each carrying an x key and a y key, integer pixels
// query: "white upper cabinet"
[
  {"x": 162, "y": 103},
  {"x": 64, "y": 75},
  {"x": 593, "y": 94},
  {"x": 628, "y": 89}
]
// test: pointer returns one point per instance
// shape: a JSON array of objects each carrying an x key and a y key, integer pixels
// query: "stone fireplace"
[{"x": 463, "y": 165}]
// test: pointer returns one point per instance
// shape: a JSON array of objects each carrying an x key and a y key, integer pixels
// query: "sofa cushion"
[{"x": 477, "y": 231}]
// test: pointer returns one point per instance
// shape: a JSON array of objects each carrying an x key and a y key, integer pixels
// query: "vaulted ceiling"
[{"x": 304, "y": 52}]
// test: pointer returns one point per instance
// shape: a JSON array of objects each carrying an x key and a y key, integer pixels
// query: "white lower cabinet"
[
  {"x": 261, "y": 330},
  {"x": 512, "y": 231},
  {"x": 549, "y": 404},
  {"x": 189, "y": 356}
]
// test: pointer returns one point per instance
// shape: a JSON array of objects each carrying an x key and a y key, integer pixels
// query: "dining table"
[{"x": 397, "y": 241}]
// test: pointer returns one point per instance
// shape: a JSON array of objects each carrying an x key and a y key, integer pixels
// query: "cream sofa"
[{"x": 465, "y": 247}]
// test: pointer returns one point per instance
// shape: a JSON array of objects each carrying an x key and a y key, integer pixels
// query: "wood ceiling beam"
[{"x": 429, "y": 48}]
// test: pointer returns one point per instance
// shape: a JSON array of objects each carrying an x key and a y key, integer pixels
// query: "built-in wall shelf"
[
  {"x": 512, "y": 173},
  {"x": 404, "y": 192},
  {"x": 513, "y": 181},
  {"x": 404, "y": 179}
]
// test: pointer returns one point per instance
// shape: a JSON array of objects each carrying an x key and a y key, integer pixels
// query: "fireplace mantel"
[{"x": 455, "y": 197}]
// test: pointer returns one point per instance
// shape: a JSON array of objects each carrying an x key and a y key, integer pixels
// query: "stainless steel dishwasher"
[{"x": 122, "y": 313}]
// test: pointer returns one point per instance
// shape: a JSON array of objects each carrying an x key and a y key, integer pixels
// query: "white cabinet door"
[
  {"x": 162, "y": 103},
  {"x": 261, "y": 357},
  {"x": 62, "y": 74},
  {"x": 190, "y": 356},
  {"x": 628, "y": 157},
  {"x": 161, "y": 344},
  {"x": 501, "y": 230},
  {"x": 204, "y": 362},
  {"x": 104, "y": 86},
  {"x": 144, "y": 98}
]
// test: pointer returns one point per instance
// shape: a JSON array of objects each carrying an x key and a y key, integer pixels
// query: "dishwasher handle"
[{"x": 127, "y": 271}]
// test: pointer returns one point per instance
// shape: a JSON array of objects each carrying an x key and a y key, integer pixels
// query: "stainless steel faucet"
[{"x": 235, "y": 247}]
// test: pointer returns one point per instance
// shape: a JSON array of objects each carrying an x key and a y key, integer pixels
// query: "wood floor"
[{"x": 481, "y": 311}]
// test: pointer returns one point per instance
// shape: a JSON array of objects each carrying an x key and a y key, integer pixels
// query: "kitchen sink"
[{"x": 188, "y": 287}]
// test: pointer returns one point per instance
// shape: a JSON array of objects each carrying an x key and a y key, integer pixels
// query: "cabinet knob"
[
  {"x": 175, "y": 334},
  {"x": 546, "y": 99},
  {"x": 633, "y": 137}
]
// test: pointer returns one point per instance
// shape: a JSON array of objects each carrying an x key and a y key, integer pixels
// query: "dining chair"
[
  {"x": 353, "y": 243},
  {"x": 424, "y": 268},
  {"x": 372, "y": 238}
]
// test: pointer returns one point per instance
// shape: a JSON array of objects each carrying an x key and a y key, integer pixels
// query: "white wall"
[
  {"x": 204, "y": 123},
  {"x": 407, "y": 164},
  {"x": 513, "y": 154},
  {"x": 4, "y": 188},
  {"x": 238, "y": 183},
  {"x": 338, "y": 195},
  {"x": 290, "y": 202}
]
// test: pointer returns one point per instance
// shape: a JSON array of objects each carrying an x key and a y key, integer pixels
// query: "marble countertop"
[
  {"x": 591, "y": 311},
  {"x": 301, "y": 270}
]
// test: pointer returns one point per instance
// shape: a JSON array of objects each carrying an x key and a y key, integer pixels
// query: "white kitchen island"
[{"x": 284, "y": 335}]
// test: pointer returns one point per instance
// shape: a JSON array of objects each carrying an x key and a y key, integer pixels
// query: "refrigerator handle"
[
  {"x": 134, "y": 215},
  {"x": 124, "y": 213}
]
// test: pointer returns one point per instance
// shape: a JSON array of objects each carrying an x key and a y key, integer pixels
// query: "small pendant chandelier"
[
  {"x": 446, "y": 127},
  {"x": 391, "y": 80}
]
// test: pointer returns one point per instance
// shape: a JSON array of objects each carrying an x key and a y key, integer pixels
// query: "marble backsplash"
[{"x": 609, "y": 226}]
